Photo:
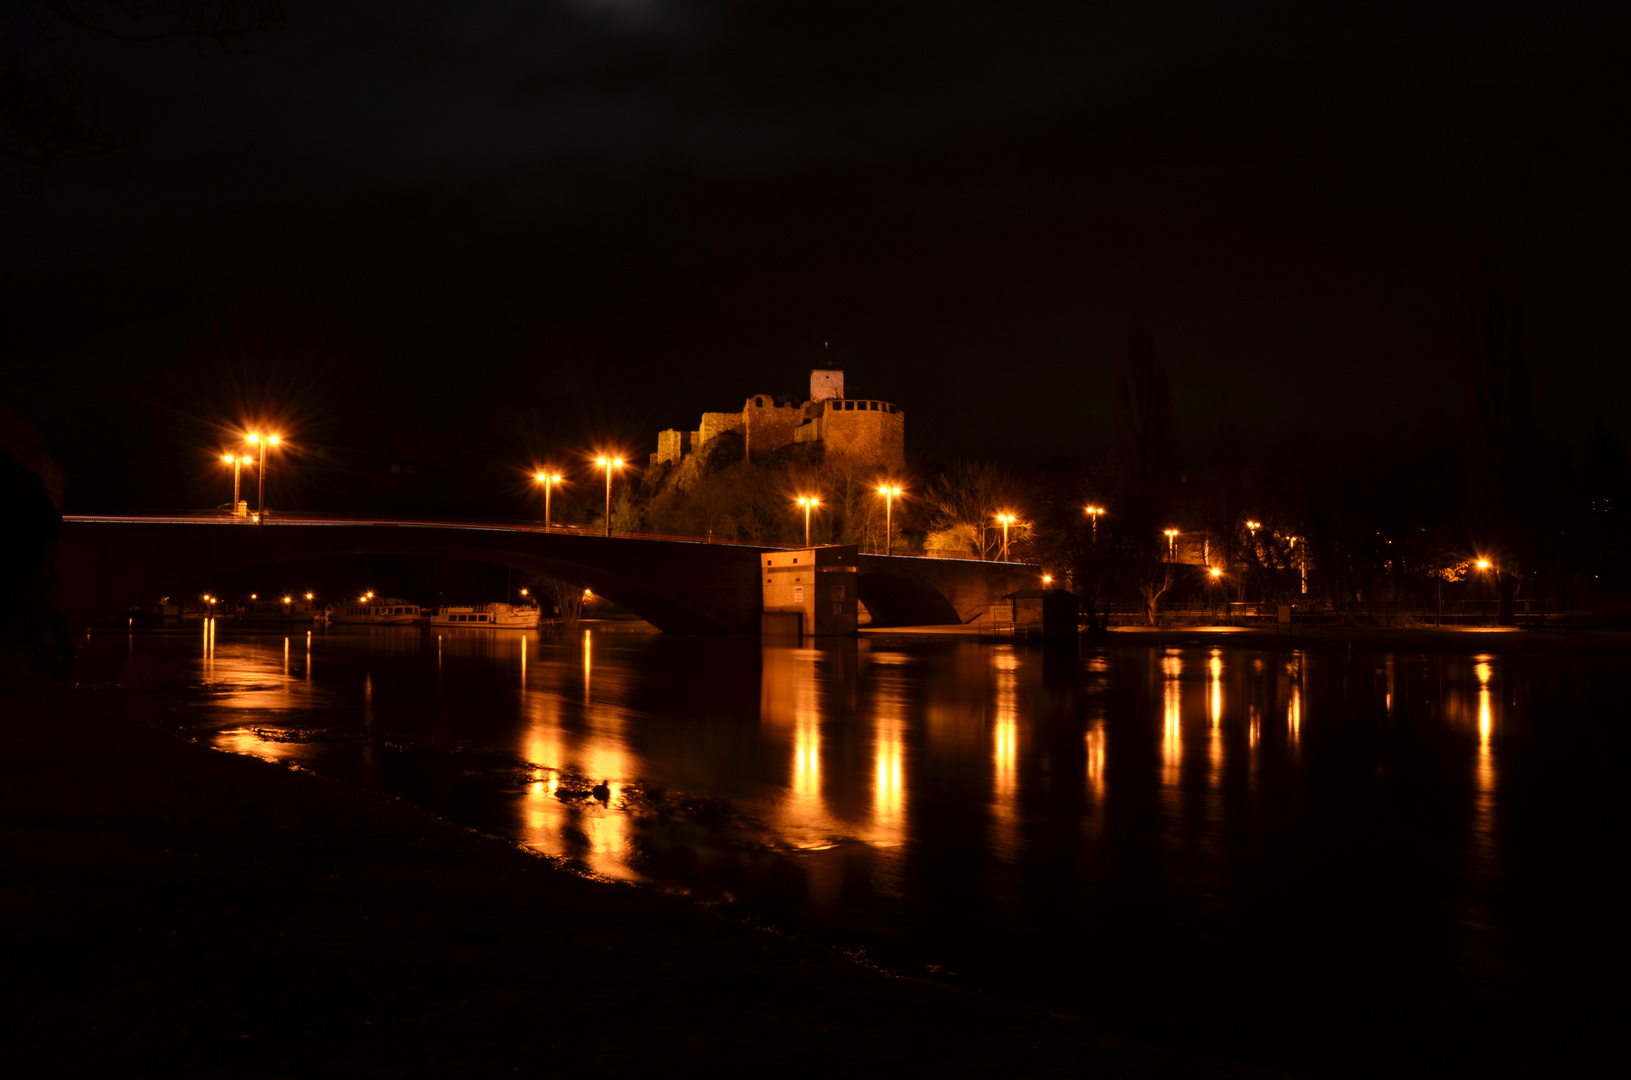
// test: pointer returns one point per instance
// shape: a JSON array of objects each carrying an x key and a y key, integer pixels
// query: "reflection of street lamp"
[
  {"x": 888, "y": 491},
  {"x": 1006, "y": 519},
  {"x": 808, "y": 502},
  {"x": 548, "y": 479},
  {"x": 609, "y": 463},
  {"x": 254, "y": 439},
  {"x": 1172, "y": 536},
  {"x": 237, "y": 464},
  {"x": 1094, "y": 512}
]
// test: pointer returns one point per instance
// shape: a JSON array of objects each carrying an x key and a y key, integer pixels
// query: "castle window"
[
  {"x": 872, "y": 405},
  {"x": 759, "y": 402}
]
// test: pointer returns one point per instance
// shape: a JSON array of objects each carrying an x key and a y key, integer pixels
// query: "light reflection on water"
[{"x": 947, "y": 794}]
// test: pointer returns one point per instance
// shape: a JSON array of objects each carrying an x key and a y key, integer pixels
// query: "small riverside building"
[{"x": 811, "y": 590}]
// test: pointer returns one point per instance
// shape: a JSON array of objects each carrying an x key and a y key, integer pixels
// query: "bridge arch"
[{"x": 899, "y": 599}]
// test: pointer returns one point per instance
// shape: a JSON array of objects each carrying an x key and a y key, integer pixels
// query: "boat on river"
[
  {"x": 278, "y": 612},
  {"x": 387, "y": 612},
  {"x": 489, "y": 617}
]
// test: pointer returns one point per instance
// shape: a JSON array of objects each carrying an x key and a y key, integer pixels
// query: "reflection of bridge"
[{"x": 108, "y": 563}]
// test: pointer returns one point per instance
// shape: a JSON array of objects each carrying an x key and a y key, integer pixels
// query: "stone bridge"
[{"x": 107, "y": 564}]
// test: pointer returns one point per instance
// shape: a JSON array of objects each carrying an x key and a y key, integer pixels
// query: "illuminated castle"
[{"x": 860, "y": 432}]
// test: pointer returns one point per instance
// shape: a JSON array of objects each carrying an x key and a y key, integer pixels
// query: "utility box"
[{"x": 818, "y": 584}]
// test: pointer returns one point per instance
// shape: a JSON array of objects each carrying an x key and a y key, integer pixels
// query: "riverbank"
[
  {"x": 1506, "y": 639},
  {"x": 175, "y": 911}
]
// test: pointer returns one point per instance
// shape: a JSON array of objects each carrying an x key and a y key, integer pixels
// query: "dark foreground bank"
[{"x": 170, "y": 910}]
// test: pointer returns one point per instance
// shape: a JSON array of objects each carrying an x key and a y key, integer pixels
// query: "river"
[{"x": 1312, "y": 860}]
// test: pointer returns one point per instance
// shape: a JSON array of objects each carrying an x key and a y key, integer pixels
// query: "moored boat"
[
  {"x": 267, "y": 612},
  {"x": 489, "y": 617},
  {"x": 388, "y": 612}
]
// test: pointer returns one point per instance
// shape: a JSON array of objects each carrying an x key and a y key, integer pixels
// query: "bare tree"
[
  {"x": 1497, "y": 362},
  {"x": 45, "y": 114},
  {"x": 1148, "y": 470},
  {"x": 964, "y": 501}
]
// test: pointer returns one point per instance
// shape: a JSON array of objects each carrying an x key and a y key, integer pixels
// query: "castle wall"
[
  {"x": 717, "y": 423},
  {"x": 672, "y": 446},
  {"x": 866, "y": 432},
  {"x": 768, "y": 425}
]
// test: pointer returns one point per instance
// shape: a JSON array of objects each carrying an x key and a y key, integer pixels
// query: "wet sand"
[{"x": 175, "y": 911}]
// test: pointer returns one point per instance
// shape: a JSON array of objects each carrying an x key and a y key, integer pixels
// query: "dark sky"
[{"x": 503, "y": 231}]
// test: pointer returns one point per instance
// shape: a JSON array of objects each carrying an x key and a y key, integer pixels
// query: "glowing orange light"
[
  {"x": 1483, "y": 564},
  {"x": 1046, "y": 578},
  {"x": 230, "y": 458},
  {"x": 252, "y": 438},
  {"x": 1215, "y": 572},
  {"x": 273, "y": 440}
]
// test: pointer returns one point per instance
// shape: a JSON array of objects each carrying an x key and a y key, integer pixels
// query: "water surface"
[{"x": 1309, "y": 860}]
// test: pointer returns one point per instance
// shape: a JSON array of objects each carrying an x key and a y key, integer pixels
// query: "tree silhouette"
[{"x": 1148, "y": 469}]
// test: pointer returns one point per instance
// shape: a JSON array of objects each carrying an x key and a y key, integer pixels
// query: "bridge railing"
[{"x": 312, "y": 518}]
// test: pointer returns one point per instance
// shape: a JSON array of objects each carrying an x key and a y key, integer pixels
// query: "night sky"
[{"x": 472, "y": 237}]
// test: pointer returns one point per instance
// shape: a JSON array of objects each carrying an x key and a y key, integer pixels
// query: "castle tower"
[{"x": 825, "y": 384}]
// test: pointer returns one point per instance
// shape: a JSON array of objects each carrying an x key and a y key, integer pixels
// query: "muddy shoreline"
[{"x": 172, "y": 910}]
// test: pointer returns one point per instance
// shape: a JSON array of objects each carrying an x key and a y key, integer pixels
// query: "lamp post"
[
  {"x": 255, "y": 438},
  {"x": 1217, "y": 578},
  {"x": 1251, "y": 527},
  {"x": 808, "y": 502},
  {"x": 237, "y": 464},
  {"x": 888, "y": 491},
  {"x": 548, "y": 480},
  {"x": 1172, "y": 536},
  {"x": 1094, "y": 512},
  {"x": 609, "y": 463},
  {"x": 1006, "y": 519}
]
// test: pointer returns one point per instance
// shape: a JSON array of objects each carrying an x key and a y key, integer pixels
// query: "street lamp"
[
  {"x": 548, "y": 480},
  {"x": 1172, "y": 536},
  {"x": 1094, "y": 512},
  {"x": 609, "y": 463},
  {"x": 237, "y": 464},
  {"x": 808, "y": 502},
  {"x": 1006, "y": 519},
  {"x": 888, "y": 492},
  {"x": 254, "y": 438}
]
